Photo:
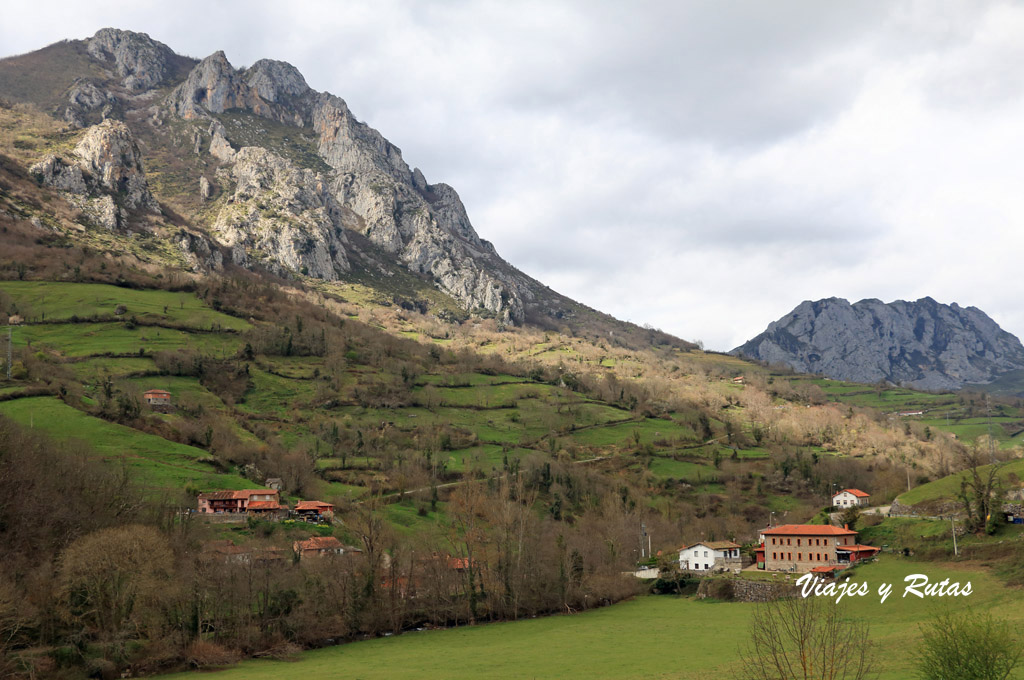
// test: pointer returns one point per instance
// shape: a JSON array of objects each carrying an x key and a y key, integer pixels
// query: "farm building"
[
  {"x": 239, "y": 501},
  {"x": 709, "y": 556},
  {"x": 850, "y": 497},
  {"x": 802, "y": 547},
  {"x": 157, "y": 397},
  {"x": 314, "y": 511},
  {"x": 318, "y": 546}
]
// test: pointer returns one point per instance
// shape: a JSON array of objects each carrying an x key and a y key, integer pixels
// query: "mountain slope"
[
  {"x": 923, "y": 344},
  {"x": 267, "y": 173}
]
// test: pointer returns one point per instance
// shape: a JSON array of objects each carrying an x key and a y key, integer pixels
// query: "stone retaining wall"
[{"x": 743, "y": 590}]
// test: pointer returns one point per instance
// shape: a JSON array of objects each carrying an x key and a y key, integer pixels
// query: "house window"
[
  {"x": 773, "y": 556},
  {"x": 789, "y": 556},
  {"x": 705, "y": 553},
  {"x": 798, "y": 542},
  {"x": 799, "y": 557},
  {"x": 789, "y": 541}
]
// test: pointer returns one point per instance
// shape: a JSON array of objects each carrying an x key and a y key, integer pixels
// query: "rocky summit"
[
  {"x": 922, "y": 344},
  {"x": 251, "y": 167}
]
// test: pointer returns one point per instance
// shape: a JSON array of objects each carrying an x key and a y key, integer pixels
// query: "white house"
[
  {"x": 849, "y": 497},
  {"x": 709, "y": 556}
]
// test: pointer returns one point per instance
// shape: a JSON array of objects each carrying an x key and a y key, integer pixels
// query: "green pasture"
[
  {"x": 949, "y": 487},
  {"x": 649, "y": 430},
  {"x": 91, "y": 339},
  {"x": 649, "y": 638},
  {"x": 667, "y": 468},
  {"x": 93, "y": 370},
  {"x": 275, "y": 395},
  {"x": 153, "y": 461},
  {"x": 467, "y": 379},
  {"x": 49, "y": 301}
]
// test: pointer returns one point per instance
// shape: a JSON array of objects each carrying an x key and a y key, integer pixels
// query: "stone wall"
[{"x": 743, "y": 590}]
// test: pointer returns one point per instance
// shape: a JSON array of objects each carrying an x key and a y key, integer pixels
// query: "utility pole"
[
  {"x": 953, "y": 523},
  {"x": 10, "y": 332}
]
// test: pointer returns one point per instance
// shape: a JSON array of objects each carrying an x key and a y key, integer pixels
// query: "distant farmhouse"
[
  {"x": 314, "y": 511},
  {"x": 257, "y": 501},
  {"x": 851, "y": 497},
  {"x": 709, "y": 556},
  {"x": 810, "y": 547},
  {"x": 321, "y": 546},
  {"x": 263, "y": 503},
  {"x": 157, "y": 398}
]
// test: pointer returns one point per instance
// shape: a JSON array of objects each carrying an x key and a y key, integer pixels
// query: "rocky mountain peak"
[
  {"x": 268, "y": 89},
  {"x": 142, "y": 62},
  {"x": 923, "y": 344},
  {"x": 274, "y": 81}
]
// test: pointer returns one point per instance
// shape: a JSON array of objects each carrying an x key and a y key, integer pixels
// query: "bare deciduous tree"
[{"x": 799, "y": 638}]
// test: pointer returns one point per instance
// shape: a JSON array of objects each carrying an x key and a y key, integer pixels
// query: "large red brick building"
[{"x": 802, "y": 547}]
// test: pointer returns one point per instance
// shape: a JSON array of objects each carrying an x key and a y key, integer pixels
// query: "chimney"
[{"x": 846, "y": 526}]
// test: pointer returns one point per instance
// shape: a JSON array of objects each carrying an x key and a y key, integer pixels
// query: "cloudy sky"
[{"x": 699, "y": 166}]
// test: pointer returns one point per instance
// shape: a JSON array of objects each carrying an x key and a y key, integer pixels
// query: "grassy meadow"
[
  {"x": 652, "y": 637},
  {"x": 154, "y": 462}
]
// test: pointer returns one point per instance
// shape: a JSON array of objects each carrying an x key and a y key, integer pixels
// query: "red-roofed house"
[
  {"x": 237, "y": 501},
  {"x": 850, "y": 497},
  {"x": 802, "y": 547},
  {"x": 314, "y": 511},
  {"x": 318, "y": 546},
  {"x": 157, "y": 397}
]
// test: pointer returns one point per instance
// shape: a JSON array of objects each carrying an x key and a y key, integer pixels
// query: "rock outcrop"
[
  {"x": 84, "y": 98},
  {"x": 109, "y": 154},
  {"x": 103, "y": 177},
  {"x": 270, "y": 89},
  {"x": 371, "y": 190},
  {"x": 140, "y": 61},
  {"x": 921, "y": 344},
  {"x": 282, "y": 217}
]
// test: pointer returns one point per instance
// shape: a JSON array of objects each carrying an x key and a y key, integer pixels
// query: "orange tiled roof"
[
  {"x": 264, "y": 505},
  {"x": 236, "y": 495},
  {"x": 313, "y": 505},
  {"x": 319, "y": 543},
  {"x": 808, "y": 530},
  {"x": 858, "y": 548},
  {"x": 857, "y": 492}
]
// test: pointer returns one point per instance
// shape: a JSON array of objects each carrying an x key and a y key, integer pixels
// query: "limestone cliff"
[
  {"x": 370, "y": 190},
  {"x": 104, "y": 175}
]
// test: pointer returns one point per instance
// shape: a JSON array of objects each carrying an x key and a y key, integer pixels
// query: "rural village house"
[
  {"x": 709, "y": 556},
  {"x": 249, "y": 500},
  {"x": 851, "y": 497},
  {"x": 803, "y": 547},
  {"x": 321, "y": 546},
  {"x": 314, "y": 511},
  {"x": 157, "y": 397}
]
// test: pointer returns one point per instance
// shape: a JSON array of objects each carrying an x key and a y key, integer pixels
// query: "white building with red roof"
[
  {"x": 851, "y": 497},
  {"x": 709, "y": 556}
]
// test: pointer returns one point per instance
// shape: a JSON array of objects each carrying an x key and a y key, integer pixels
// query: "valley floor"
[{"x": 650, "y": 637}]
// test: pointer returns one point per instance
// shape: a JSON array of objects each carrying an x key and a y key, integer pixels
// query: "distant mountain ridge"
[{"x": 922, "y": 344}]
